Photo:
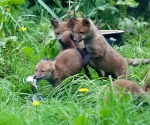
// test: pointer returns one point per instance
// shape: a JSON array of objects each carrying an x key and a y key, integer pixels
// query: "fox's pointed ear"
[
  {"x": 54, "y": 23},
  {"x": 147, "y": 88},
  {"x": 98, "y": 24},
  {"x": 53, "y": 64},
  {"x": 71, "y": 22},
  {"x": 86, "y": 22}
]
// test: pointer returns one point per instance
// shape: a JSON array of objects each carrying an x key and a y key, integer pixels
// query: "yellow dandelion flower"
[
  {"x": 83, "y": 90},
  {"x": 8, "y": 9},
  {"x": 23, "y": 29},
  {"x": 36, "y": 103}
]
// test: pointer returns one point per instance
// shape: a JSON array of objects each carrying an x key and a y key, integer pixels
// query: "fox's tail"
[{"x": 137, "y": 61}]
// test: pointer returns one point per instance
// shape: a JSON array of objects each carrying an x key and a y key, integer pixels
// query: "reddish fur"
[
  {"x": 105, "y": 57},
  {"x": 60, "y": 68},
  {"x": 59, "y": 28},
  {"x": 62, "y": 30},
  {"x": 135, "y": 62},
  {"x": 125, "y": 86}
]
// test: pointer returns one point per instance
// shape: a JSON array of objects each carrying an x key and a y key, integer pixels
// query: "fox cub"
[
  {"x": 67, "y": 63},
  {"x": 126, "y": 86},
  {"x": 99, "y": 51}
]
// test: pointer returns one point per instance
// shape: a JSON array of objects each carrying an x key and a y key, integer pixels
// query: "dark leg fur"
[
  {"x": 87, "y": 58},
  {"x": 83, "y": 52},
  {"x": 112, "y": 75},
  {"x": 99, "y": 72}
]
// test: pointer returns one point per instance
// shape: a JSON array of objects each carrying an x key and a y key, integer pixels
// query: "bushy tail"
[{"x": 135, "y": 62}]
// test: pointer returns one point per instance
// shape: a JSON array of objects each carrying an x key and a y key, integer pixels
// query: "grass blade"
[{"x": 48, "y": 9}]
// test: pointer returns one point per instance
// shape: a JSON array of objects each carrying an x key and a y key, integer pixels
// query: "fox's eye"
[
  {"x": 81, "y": 32},
  {"x": 57, "y": 33},
  {"x": 42, "y": 70}
]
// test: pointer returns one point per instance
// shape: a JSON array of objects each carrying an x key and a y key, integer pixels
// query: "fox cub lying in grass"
[
  {"x": 62, "y": 67},
  {"x": 126, "y": 86}
]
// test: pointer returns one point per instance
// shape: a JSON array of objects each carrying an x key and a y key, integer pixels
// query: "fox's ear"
[
  {"x": 53, "y": 64},
  {"x": 98, "y": 24},
  {"x": 54, "y": 23},
  {"x": 147, "y": 88},
  {"x": 71, "y": 22},
  {"x": 86, "y": 22}
]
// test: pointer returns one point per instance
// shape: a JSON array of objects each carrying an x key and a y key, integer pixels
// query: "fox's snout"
[
  {"x": 60, "y": 40},
  {"x": 36, "y": 77}
]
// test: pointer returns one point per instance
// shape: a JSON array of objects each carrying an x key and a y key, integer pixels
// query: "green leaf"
[
  {"x": 1, "y": 34},
  {"x": 102, "y": 7},
  {"x": 104, "y": 113},
  {"x": 4, "y": 2},
  {"x": 130, "y": 3},
  {"x": 15, "y": 11},
  {"x": 16, "y": 1},
  {"x": 106, "y": 7},
  {"x": 82, "y": 120},
  {"x": 28, "y": 50},
  {"x": 1, "y": 61},
  {"x": 79, "y": 15}
]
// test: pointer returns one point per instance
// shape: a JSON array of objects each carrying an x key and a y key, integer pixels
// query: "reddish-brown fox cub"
[
  {"x": 125, "y": 86},
  {"x": 67, "y": 63},
  {"x": 99, "y": 51}
]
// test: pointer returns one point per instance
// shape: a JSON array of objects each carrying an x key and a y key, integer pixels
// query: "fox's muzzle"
[
  {"x": 77, "y": 40},
  {"x": 36, "y": 77}
]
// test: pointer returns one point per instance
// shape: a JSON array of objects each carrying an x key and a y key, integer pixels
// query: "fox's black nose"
[
  {"x": 59, "y": 40},
  {"x": 34, "y": 77}
]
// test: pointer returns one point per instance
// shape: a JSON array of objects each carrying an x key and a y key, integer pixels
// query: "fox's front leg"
[{"x": 87, "y": 59}]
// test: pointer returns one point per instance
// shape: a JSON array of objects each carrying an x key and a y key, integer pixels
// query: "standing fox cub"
[
  {"x": 56, "y": 71},
  {"x": 99, "y": 51}
]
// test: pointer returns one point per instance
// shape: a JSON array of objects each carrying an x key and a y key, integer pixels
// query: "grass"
[{"x": 65, "y": 105}]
